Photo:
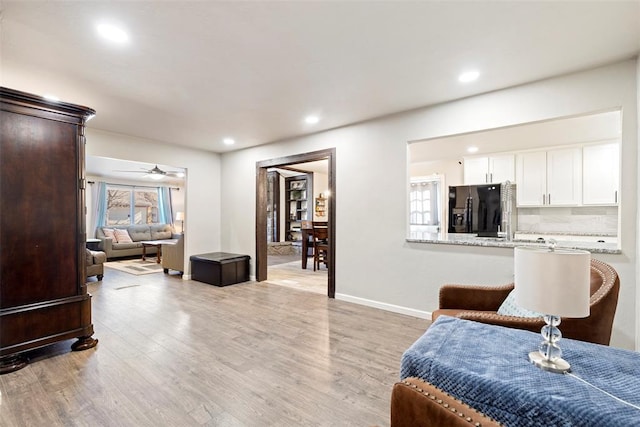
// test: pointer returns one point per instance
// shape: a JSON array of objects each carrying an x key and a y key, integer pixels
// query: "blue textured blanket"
[{"x": 488, "y": 368}]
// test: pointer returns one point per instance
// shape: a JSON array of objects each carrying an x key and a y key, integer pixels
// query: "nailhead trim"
[{"x": 444, "y": 405}]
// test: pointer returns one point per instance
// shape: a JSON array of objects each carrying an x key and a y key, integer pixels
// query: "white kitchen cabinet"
[
  {"x": 601, "y": 179},
  {"x": 549, "y": 178},
  {"x": 488, "y": 170},
  {"x": 564, "y": 177},
  {"x": 531, "y": 178}
]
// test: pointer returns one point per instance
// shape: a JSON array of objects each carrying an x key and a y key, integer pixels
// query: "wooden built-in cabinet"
[
  {"x": 273, "y": 206},
  {"x": 43, "y": 294},
  {"x": 298, "y": 204}
]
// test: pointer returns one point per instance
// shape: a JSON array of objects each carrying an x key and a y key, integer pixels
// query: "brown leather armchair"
[
  {"x": 417, "y": 403},
  {"x": 480, "y": 303}
]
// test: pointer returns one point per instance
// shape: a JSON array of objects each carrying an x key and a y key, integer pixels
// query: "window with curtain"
[{"x": 127, "y": 204}]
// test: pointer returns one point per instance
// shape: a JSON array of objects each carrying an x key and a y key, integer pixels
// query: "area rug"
[{"x": 135, "y": 266}]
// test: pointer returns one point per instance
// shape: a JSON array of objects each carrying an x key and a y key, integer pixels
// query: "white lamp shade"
[
  {"x": 179, "y": 216},
  {"x": 555, "y": 282}
]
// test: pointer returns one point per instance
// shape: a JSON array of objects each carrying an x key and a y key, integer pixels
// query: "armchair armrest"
[
  {"x": 533, "y": 324},
  {"x": 473, "y": 297},
  {"x": 416, "y": 403},
  {"x": 98, "y": 257}
]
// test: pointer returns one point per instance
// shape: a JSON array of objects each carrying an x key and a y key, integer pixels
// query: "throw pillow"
[
  {"x": 108, "y": 232},
  {"x": 122, "y": 236},
  {"x": 510, "y": 308}
]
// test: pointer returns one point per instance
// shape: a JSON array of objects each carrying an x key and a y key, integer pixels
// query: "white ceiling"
[{"x": 194, "y": 73}]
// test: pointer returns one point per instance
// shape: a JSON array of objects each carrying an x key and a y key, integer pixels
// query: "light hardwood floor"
[
  {"x": 184, "y": 353},
  {"x": 292, "y": 275}
]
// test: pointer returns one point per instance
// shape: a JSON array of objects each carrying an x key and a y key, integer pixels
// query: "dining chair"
[{"x": 320, "y": 244}]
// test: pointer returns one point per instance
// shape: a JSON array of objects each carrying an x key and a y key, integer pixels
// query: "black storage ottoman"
[{"x": 220, "y": 268}]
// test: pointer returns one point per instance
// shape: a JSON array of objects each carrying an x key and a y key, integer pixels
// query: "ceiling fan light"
[{"x": 155, "y": 176}]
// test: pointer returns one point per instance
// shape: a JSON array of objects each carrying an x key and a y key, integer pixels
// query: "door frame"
[{"x": 261, "y": 209}]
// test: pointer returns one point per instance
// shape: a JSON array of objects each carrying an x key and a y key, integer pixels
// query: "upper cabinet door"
[
  {"x": 476, "y": 170},
  {"x": 531, "y": 178},
  {"x": 564, "y": 177},
  {"x": 489, "y": 170},
  {"x": 502, "y": 168},
  {"x": 601, "y": 174}
]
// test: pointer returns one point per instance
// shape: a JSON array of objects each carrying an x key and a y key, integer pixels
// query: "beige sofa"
[{"x": 138, "y": 233}]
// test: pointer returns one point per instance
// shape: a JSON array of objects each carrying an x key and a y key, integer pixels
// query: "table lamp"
[
  {"x": 180, "y": 217},
  {"x": 555, "y": 282}
]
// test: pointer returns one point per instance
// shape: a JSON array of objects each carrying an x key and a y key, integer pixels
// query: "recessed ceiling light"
[
  {"x": 50, "y": 97},
  {"x": 472, "y": 150},
  {"x": 468, "y": 76},
  {"x": 311, "y": 120},
  {"x": 228, "y": 141},
  {"x": 112, "y": 33}
]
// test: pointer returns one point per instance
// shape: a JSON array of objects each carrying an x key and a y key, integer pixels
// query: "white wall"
[
  {"x": 201, "y": 196},
  {"x": 450, "y": 169},
  {"x": 372, "y": 175}
]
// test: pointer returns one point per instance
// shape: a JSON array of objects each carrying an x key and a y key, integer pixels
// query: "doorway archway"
[{"x": 261, "y": 209}]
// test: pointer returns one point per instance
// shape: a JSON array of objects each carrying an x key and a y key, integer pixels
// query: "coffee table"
[{"x": 158, "y": 244}]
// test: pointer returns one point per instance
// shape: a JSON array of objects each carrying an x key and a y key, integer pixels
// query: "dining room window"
[{"x": 423, "y": 199}]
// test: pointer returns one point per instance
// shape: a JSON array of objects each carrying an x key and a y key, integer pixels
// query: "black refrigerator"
[{"x": 475, "y": 209}]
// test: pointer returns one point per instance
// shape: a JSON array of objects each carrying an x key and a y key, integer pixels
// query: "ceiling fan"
[{"x": 156, "y": 173}]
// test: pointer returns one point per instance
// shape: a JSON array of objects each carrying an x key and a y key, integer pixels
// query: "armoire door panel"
[{"x": 39, "y": 215}]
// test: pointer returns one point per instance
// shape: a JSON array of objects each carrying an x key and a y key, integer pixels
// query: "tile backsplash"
[{"x": 583, "y": 219}]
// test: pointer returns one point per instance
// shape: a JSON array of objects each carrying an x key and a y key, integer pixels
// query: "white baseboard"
[
  {"x": 384, "y": 306},
  {"x": 186, "y": 277}
]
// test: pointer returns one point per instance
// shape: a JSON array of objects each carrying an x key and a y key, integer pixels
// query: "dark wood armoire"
[{"x": 43, "y": 294}]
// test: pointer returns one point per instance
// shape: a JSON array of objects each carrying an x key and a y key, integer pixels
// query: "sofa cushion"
[
  {"x": 139, "y": 232},
  {"x": 109, "y": 233},
  {"x": 160, "y": 231},
  {"x": 122, "y": 236},
  {"x": 132, "y": 245}
]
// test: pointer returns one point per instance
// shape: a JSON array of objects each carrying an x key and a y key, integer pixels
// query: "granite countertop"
[
  {"x": 565, "y": 233},
  {"x": 474, "y": 240}
]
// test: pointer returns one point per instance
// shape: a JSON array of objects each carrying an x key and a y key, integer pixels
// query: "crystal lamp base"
[{"x": 558, "y": 365}]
